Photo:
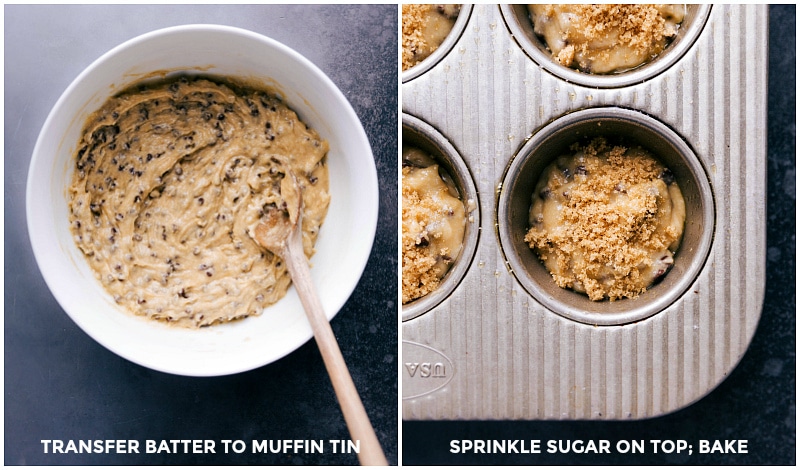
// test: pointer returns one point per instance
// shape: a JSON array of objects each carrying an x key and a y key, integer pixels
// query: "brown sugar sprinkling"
[{"x": 614, "y": 222}]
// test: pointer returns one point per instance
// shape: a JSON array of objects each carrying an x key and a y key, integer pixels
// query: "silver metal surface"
[
  {"x": 491, "y": 350},
  {"x": 520, "y": 26},
  {"x": 419, "y": 134},
  {"x": 553, "y": 141},
  {"x": 443, "y": 49}
]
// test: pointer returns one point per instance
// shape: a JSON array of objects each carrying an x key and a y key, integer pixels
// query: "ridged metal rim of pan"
[
  {"x": 518, "y": 22},
  {"x": 443, "y": 49},
  {"x": 662, "y": 142},
  {"x": 425, "y": 136}
]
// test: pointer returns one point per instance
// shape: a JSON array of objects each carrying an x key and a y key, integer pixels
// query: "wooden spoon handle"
[{"x": 370, "y": 452}]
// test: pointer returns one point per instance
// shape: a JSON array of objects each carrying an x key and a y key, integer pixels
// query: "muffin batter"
[
  {"x": 168, "y": 179},
  {"x": 606, "y": 220},
  {"x": 434, "y": 221},
  {"x": 606, "y": 38},
  {"x": 425, "y": 27}
]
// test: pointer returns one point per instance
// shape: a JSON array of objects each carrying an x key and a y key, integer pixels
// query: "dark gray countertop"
[
  {"x": 757, "y": 401},
  {"x": 61, "y": 384}
]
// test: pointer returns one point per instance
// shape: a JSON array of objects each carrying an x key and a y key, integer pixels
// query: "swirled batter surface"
[
  {"x": 168, "y": 179},
  {"x": 606, "y": 38},
  {"x": 434, "y": 221},
  {"x": 606, "y": 220}
]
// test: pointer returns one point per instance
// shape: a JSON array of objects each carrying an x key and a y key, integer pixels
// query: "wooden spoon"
[{"x": 280, "y": 231}]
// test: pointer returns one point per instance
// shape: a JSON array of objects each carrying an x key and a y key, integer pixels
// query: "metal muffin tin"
[
  {"x": 443, "y": 49},
  {"x": 520, "y": 26},
  {"x": 503, "y": 343},
  {"x": 421, "y": 135},
  {"x": 553, "y": 141}
]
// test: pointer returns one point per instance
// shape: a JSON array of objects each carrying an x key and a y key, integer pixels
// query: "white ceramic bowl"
[{"x": 345, "y": 239}]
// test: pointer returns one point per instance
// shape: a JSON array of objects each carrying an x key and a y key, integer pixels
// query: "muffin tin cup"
[
  {"x": 508, "y": 343},
  {"x": 634, "y": 129},
  {"x": 519, "y": 23},
  {"x": 422, "y": 135},
  {"x": 443, "y": 49}
]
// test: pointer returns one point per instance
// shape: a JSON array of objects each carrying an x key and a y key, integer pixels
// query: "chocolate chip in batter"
[{"x": 667, "y": 176}]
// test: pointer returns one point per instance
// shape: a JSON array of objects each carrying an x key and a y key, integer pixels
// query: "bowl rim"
[{"x": 43, "y": 247}]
